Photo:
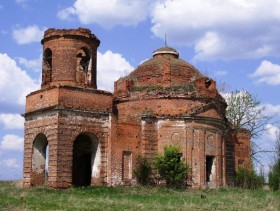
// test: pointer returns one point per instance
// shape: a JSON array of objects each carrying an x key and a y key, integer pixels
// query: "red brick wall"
[
  {"x": 70, "y": 97},
  {"x": 64, "y": 45},
  {"x": 132, "y": 110},
  {"x": 146, "y": 126},
  {"x": 165, "y": 101},
  {"x": 61, "y": 129},
  {"x": 242, "y": 149},
  {"x": 67, "y": 105},
  {"x": 34, "y": 126},
  {"x": 41, "y": 99}
]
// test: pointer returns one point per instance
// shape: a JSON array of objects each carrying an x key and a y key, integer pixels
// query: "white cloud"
[
  {"x": 10, "y": 163},
  {"x": 22, "y": 3},
  {"x": 108, "y": 13},
  {"x": 220, "y": 73},
  {"x": 28, "y": 35},
  {"x": 267, "y": 73},
  {"x": 272, "y": 110},
  {"x": 210, "y": 44},
  {"x": 220, "y": 29},
  {"x": 33, "y": 64},
  {"x": 15, "y": 83},
  {"x": 110, "y": 67},
  {"x": 11, "y": 142},
  {"x": 215, "y": 28},
  {"x": 272, "y": 131},
  {"x": 12, "y": 121},
  {"x": 66, "y": 13}
]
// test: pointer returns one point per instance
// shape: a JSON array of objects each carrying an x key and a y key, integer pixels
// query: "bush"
[
  {"x": 143, "y": 171},
  {"x": 245, "y": 178},
  {"x": 171, "y": 168},
  {"x": 274, "y": 177},
  {"x": 274, "y": 174}
]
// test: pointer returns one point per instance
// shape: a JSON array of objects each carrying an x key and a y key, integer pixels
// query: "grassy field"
[{"x": 13, "y": 197}]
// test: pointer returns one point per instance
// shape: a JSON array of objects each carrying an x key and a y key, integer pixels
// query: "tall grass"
[{"x": 13, "y": 197}]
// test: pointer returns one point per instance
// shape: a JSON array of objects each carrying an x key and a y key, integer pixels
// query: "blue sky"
[{"x": 235, "y": 42}]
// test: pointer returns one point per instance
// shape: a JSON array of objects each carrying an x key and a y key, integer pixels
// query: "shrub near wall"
[
  {"x": 248, "y": 179},
  {"x": 171, "y": 168},
  {"x": 143, "y": 171},
  {"x": 274, "y": 176}
]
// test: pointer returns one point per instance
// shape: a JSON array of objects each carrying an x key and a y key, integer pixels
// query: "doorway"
[
  {"x": 209, "y": 168},
  {"x": 40, "y": 160},
  {"x": 84, "y": 157}
]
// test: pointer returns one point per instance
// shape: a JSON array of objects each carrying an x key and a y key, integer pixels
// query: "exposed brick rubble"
[{"x": 94, "y": 136}]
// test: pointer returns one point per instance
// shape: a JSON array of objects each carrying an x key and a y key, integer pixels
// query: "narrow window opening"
[
  {"x": 207, "y": 83},
  {"x": 48, "y": 57},
  {"x": 209, "y": 168},
  {"x": 47, "y": 66}
]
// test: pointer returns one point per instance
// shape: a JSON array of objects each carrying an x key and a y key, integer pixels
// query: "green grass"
[{"x": 13, "y": 197}]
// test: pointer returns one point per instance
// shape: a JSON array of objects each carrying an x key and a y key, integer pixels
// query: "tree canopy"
[{"x": 245, "y": 111}]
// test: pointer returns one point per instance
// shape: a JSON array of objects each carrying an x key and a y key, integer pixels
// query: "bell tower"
[
  {"x": 69, "y": 58},
  {"x": 67, "y": 121}
]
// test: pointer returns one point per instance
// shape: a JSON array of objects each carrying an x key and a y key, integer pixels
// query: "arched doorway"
[
  {"x": 86, "y": 159},
  {"x": 39, "y": 160}
]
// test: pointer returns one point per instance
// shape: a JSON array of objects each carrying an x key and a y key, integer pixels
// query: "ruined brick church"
[{"x": 93, "y": 137}]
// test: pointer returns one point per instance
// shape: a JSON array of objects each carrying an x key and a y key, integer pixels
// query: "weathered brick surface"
[
  {"x": 69, "y": 97},
  {"x": 242, "y": 149},
  {"x": 165, "y": 101},
  {"x": 65, "y": 107},
  {"x": 66, "y": 46}
]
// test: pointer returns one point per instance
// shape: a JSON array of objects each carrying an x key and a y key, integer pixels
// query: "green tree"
[
  {"x": 245, "y": 178},
  {"x": 143, "y": 171},
  {"x": 274, "y": 174},
  {"x": 245, "y": 111},
  {"x": 171, "y": 168}
]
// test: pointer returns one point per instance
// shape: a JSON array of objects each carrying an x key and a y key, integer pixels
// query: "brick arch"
[
  {"x": 86, "y": 162},
  {"x": 99, "y": 134},
  {"x": 39, "y": 158}
]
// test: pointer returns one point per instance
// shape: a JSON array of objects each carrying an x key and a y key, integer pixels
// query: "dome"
[
  {"x": 166, "y": 50},
  {"x": 165, "y": 75},
  {"x": 164, "y": 69}
]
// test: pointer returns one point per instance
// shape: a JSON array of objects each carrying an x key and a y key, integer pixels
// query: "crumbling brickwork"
[
  {"x": 77, "y": 135},
  {"x": 242, "y": 149},
  {"x": 69, "y": 114}
]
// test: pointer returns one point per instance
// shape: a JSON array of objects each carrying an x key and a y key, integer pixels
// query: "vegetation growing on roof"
[{"x": 189, "y": 87}]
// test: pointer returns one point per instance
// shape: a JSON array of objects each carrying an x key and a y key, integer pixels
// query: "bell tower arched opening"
[
  {"x": 84, "y": 66},
  {"x": 47, "y": 67},
  {"x": 86, "y": 159}
]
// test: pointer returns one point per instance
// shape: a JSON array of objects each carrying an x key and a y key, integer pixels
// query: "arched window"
[
  {"x": 83, "y": 65},
  {"x": 83, "y": 57},
  {"x": 47, "y": 66}
]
